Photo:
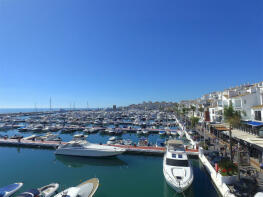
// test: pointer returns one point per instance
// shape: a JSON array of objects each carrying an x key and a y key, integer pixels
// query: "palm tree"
[
  {"x": 201, "y": 109},
  {"x": 233, "y": 118},
  {"x": 194, "y": 121},
  {"x": 184, "y": 111}
]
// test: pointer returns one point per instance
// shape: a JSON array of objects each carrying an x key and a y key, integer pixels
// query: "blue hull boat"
[{"x": 10, "y": 189}]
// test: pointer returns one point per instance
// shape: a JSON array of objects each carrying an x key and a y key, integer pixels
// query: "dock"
[
  {"x": 152, "y": 150},
  {"x": 219, "y": 181},
  {"x": 30, "y": 143},
  {"x": 143, "y": 150},
  {"x": 131, "y": 130}
]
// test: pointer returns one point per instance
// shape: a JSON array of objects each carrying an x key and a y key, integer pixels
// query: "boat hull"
[
  {"x": 177, "y": 189},
  {"x": 49, "y": 190},
  {"x": 88, "y": 153},
  {"x": 10, "y": 189}
]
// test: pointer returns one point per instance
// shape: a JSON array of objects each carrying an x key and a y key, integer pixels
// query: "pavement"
[{"x": 254, "y": 163}]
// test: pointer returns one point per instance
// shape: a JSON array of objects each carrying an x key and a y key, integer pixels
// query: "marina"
[
  {"x": 141, "y": 147},
  {"x": 131, "y": 98},
  {"x": 117, "y": 176},
  {"x": 134, "y": 133}
]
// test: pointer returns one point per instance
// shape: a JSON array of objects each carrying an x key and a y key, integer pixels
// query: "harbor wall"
[{"x": 219, "y": 180}]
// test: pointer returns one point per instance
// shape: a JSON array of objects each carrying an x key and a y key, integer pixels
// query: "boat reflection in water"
[
  {"x": 168, "y": 191},
  {"x": 77, "y": 162}
]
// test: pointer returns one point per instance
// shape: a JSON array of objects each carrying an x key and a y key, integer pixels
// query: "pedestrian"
[{"x": 261, "y": 166}]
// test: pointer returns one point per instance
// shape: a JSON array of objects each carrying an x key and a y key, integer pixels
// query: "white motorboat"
[
  {"x": 127, "y": 142},
  {"x": 51, "y": 137},
  {"x": 145, "y": 132},
  {"x": 48, "y": 137},
  {"x": 79, "y": 137},
  {"x": 139, "y": 132},
  {"x": 10, "y": 189},
  {"x": 48, "y": 190},
  {"x": 177, "y": 169},
  {"x": 37, "y": 128},
  {"x": 85, "y": 189},
  {"x": 30, "y": 137},
  {"x": 112, "y": 140},
  {"x": 46, "y": 129},
  {"x": 87, "y": 149},
  {"x": 174, "y": 133},
  {"x": 86, "y": 130},
  {"x": 93, "y": 130},
  {"x": 111, "y": 131}
]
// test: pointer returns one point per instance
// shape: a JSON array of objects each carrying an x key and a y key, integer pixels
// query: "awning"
[
  {"x": 220, "y": 128},
  {"x": 254, "y": 124}
]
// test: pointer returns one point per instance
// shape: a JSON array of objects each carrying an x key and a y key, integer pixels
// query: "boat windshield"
[
  {"x": 72, "y": 145},
  {"x": 175, "y": 162}
]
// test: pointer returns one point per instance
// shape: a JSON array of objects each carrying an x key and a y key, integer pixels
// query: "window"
[
  {"x": 237, "y": 103},
  {"x": 174, "y": 162},
  {"x": 258, "y": 115},
  {"x": 225, "y": 103}
]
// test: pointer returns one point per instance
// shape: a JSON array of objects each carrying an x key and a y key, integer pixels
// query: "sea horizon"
[{"x": 23, "y": 109}]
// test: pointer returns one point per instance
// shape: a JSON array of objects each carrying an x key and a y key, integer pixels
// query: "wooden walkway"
[{"x": 151, "y": 150}]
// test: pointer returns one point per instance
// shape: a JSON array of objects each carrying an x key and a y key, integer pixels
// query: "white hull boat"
[
  {"x": 177, "y": 169},
  {"x": 10, "y": 189},
  {"x": 139, "y": 132},
  {"x": 145, "y": 132},
  {"x": 48, "y": 190},
  {"x": 85, "y": 189},
  {"x": 80, "y": 137},
  {"x": 86, "y": 149},
  {"x": 111, "y": 131}
]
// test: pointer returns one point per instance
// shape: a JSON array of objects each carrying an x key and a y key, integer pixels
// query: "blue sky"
[{"x": 126, "y": 51}]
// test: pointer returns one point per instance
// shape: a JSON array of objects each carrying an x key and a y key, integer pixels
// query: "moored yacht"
[
  {"x": 87, "y": 149},
  {"x": 85, "y": 189},
  {"x": 177, "y": 169},
  {"x": 139, "y": 131},
  {"x": 145, "y": 132}
]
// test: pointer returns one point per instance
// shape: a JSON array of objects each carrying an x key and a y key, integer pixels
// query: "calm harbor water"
[{"x": 125, "y": 175}]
